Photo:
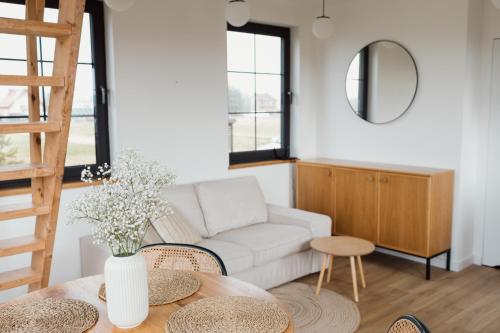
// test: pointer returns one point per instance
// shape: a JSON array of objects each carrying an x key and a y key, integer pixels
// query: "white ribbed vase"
[{"x": 127, "y": 296}]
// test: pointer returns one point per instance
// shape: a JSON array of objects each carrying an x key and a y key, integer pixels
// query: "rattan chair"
[
  {"x": 184, "y": 257},
  {"x": 408, "y": 324}
]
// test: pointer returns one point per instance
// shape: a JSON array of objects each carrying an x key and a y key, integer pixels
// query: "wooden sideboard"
[{"x": 402, "y": 208}]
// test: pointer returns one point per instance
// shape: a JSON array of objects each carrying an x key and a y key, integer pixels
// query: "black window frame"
[
  {"x": 95, "y": 9},
  {"x": 284, "y": 152}
]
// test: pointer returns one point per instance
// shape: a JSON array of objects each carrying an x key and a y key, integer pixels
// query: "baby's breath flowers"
[{"x": 122, "y": 209}]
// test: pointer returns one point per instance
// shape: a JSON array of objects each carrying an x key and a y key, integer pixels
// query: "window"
[
  {"x": 258, "y": 58},
  {"x": 88, "y": 139}
]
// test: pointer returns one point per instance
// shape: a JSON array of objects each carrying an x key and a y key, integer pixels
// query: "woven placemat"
[
  {"x": 228, "y": 314},
  {"x": 166, "y": 286},
  {"x": 50, "y": 315}
]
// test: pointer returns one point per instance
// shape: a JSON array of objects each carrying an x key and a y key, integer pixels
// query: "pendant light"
[
  {"x": 237, "y": 13},
  {"x": 323, "y": 25},
  {"x": 119, "y": 5},
  {"x": 496, "y": 3}
]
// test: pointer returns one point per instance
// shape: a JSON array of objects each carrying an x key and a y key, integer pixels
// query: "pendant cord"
[{"x": 323, "y": 7}]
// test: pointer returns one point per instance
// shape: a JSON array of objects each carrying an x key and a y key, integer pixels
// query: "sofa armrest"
[{"x": 319, "y": 225}]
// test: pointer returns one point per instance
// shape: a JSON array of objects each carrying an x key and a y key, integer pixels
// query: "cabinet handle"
[
  {"x": 329, "y": 173},
  {"x": 384, "y": 180},
  {"x": 370, "y": 179}
]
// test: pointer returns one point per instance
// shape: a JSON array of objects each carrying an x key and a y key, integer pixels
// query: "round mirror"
[{"x": 381, "y": 82}]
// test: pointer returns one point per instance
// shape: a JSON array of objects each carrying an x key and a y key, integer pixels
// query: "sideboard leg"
[
  {"x": 427, "y": 268},
  {"x": 448, "y": 260}
]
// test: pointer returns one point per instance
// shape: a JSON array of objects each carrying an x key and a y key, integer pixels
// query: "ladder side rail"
[
  {"x": 35, "y": 11},
  {"x": 54, "y": 154}
]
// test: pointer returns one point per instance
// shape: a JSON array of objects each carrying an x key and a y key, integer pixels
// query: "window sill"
[
  {"x": 26, "y": 190},
  {"x": 261, "y": 163}
]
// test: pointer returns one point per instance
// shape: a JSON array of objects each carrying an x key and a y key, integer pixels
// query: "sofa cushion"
[
  {"x": 184, "y": 198},
  {"x": 231, "y": 203},
  {"x": 236, "y": 258},
  {"x": 269, "y": 241},
  {"x": 174, "y": 228}
]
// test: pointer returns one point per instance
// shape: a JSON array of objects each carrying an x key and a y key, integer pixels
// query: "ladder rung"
[
  {"x": 24, "y": 171},
  {"x": 19, "y": 277},
  {"x": 34, "y": 28},
  {"x": 30, "y": 127},
  {"x": 18, "y": 245},
  {"x": 31, "y": 81},
  {"x": 20, "y": 210}
]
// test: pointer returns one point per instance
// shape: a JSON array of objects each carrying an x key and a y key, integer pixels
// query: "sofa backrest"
[
  {"x": 185, "y": 200},
  {"x": 231, "y": 203}
]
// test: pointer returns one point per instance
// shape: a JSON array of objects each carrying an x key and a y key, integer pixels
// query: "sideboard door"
[
  {"x": 356, "y": 203},
  {"x": 404, "y": 212},
  {"x": 315, "y": 189}
]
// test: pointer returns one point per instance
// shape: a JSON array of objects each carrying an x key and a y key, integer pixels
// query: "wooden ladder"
[{"x": 46, "y": 169}]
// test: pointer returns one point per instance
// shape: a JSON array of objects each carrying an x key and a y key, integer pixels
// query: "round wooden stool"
[{"x": 342, "y": 246}]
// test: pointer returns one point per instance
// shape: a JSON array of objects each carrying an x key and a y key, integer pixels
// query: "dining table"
[{"x": 86, "y": 289}]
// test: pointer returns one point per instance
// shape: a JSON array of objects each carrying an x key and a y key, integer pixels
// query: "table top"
[
  {"x": 343, "y": 246},
  {"x": 86, "y": 289}
]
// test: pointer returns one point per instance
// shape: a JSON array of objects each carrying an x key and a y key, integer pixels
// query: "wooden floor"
[{"x": 468, "y": 301}]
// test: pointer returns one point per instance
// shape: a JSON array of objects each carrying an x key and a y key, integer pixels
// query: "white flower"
[{"x": 124, "y": 206}]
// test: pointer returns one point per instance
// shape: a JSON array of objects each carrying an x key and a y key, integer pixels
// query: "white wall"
[
  {"x": 430, "y": 133},
  {"x": 169, "y": 95},
  {"x": 167, "y": 65},
  {"x": 168, "y": 90},
  {"x": 66, "y": 259}
]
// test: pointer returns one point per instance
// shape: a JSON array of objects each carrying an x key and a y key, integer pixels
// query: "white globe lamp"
[
  {"x": 237, "y": 13},
  {"x": 323, "y": 25},
  {"x": 496, "y": 3},
  {"x": 119, "y": 5}
]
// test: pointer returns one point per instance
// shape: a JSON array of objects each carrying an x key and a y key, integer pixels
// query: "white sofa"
[{"x": 263, "y": 244}]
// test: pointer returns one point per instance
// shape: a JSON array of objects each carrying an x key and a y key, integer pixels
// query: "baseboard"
[
  {"x": 458, "y": 265},
  {"x": 477, "y": 259}
]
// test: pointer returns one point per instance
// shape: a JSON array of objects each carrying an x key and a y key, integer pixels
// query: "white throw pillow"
[
  {"x": 174, "y": 228},
  {"x": 184, "y": 198},
  {"x": 151, "y": 237},
  {"x": 231, "y": 203}
]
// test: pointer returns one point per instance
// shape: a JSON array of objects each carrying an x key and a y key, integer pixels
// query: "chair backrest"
[
  {"x": 408, "y": 324},
  {"x": 184, "y": 257}
]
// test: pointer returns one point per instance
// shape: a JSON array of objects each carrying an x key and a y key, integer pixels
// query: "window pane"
[
  {"x": 14, "y": 148},
  {"x": 268, "y": 131},
  {"x": 268, "y": 54},
  {"x": 12, "y": 46},
  {"x": 83, "y": 101},
  {"x": 241, "y": 92},
  {"x": 12, "y": 67},
  {"x": 242, "y": 132},
  {"x": 12, "y": 10},
  {"x": 268, "y": 93},
  {"x": 81, "y": 144},
  {"x": 240, "y": 52},
  {"x": 85, "y": 55}
]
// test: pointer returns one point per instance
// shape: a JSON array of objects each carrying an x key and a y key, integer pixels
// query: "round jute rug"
[
  {"x": 329, "y": 312},
  {"x": 50, "y": 315},
  {"x": 166, "y": 286}
]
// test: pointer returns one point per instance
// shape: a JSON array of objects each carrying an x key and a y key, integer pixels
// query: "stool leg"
[
  {"x": 330, "y": 269},
  {"x": 361, "y": 272},
  {"x": 322, "y": 274},
  {"x": 354, "y": 279}
]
